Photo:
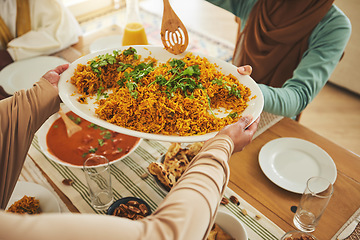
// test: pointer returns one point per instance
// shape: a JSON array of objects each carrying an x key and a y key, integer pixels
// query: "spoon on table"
[
  {"x": 173, "y": 32},
  {"x": 71, "y": 127}
]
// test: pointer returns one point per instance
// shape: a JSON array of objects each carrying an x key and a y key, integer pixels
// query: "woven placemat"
[{"x": 355, "y": 235}]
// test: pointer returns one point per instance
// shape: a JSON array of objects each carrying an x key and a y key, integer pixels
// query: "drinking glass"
[
  {"x": 98, "y": 178},
  {"x": 312, "y": 204}
]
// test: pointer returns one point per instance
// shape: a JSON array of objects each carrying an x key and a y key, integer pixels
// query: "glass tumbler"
[
  {"x": 312, "y": 204},
  {"x": 98, "y": 178}
]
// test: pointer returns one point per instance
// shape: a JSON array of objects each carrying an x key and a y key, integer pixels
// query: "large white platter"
[
  {"x": 290, "y": 162},
  {"x": 24, "y": 73},
  {"x": 69, "y": 96},
  {"x": 47, "y": 201}
]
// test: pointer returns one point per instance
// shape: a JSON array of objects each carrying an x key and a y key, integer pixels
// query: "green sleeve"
[
  {"x": 240, "y": 8},
  {"x": 326, "y": 45}
]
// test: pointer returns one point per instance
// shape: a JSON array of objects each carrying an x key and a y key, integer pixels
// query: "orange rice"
[
  {"x": 152, "y": 111},
  {"x": 26, "y": 204}
]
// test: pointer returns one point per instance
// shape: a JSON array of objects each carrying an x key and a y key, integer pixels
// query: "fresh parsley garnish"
[
  {"x": 231, "y": 88},
  {"x": 91, "y": 150},
  {"x": 233, "y": 115},
  {"x": 132, "y": 79},
  {"x": 131, "y": 51},
  {"x": 102, "y": 61},
  {"x": 106, "y": 134},
  {"x": 101, "y": 142}
]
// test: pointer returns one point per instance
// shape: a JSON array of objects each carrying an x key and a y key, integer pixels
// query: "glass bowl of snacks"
[
  {"x": 130, "y": 207},
  {"x": 298, "y": 235}
]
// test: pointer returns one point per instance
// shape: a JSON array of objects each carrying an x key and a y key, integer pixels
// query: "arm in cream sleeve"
[
  {"x": 20, "y": 117},
  {"x": 53, "y": 28},
  {"x": 187, "y": 212}
]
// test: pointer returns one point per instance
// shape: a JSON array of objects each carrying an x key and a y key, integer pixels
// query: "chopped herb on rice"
[{"x": 172, "y": 98}]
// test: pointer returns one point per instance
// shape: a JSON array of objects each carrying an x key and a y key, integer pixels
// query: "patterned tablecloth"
[{"x": 127, "y": 180}]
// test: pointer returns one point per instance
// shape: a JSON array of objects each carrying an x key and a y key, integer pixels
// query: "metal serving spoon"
[{"x": 173, "y": 32}]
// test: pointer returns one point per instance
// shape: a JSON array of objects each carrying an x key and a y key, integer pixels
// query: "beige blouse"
[
  {"x": 187, "y": 212},
  {"x": 20, "y": 117},
  {"x": 53, "y": 28}
]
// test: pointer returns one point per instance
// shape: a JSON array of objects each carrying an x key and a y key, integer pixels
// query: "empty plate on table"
[
  {"x": 112, "y": 41},
  {"x": 23, "y": 74},
  {"x": 47, "y": 201},
  {"x": 290, "y": 162}
]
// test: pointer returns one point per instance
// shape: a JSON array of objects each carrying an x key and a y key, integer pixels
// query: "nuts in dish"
[
  {"x": 26, "y": 204},
  {"x": 130, "y": 207},
  {"x": 224, "y": 201},
  {"x": 174, "y": 163},
  {"x": 298, "y": 235},
  {"x": 234, "y": 200},
  {"x": 302, "y": 237}
]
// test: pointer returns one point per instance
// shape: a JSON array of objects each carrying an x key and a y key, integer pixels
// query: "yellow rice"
[
  {"x": 26, "y": 204},
  {"x": 153, "y": 111}
]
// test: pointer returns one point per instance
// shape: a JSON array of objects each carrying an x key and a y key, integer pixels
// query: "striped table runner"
[{"x": 127, "y": 180}]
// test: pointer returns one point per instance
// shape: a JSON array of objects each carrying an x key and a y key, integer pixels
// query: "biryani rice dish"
[
  {"x": 173, "y": 98},
  {"x": 26, "y": 204}
]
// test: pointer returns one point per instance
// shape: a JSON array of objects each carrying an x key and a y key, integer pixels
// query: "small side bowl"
[
  {"x": 125, "y": 200},
  {"x": 231, "y": 225},
  {"x": 296, "y": 235}
]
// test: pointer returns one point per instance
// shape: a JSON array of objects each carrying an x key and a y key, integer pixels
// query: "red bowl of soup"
[{"x": 92, "y": 139}]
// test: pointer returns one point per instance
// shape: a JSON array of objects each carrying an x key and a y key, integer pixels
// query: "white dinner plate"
[
  {"x": 44, "y": 129},
  {"x": 47, "y": 201},
  {"x": 290, "y": 162},
  {"x": 112, "y": 41},
  {"x": 69, "y": 96},
  {"x": 24, "y": 73}
]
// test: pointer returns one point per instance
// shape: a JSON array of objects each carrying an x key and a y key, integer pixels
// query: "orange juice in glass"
[{"x": 134, "y": 34}]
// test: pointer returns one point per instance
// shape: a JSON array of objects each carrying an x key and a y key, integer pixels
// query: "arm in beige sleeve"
[
  {"x": 21, "y": 116},
  {"x": 187, "y": 212}
]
